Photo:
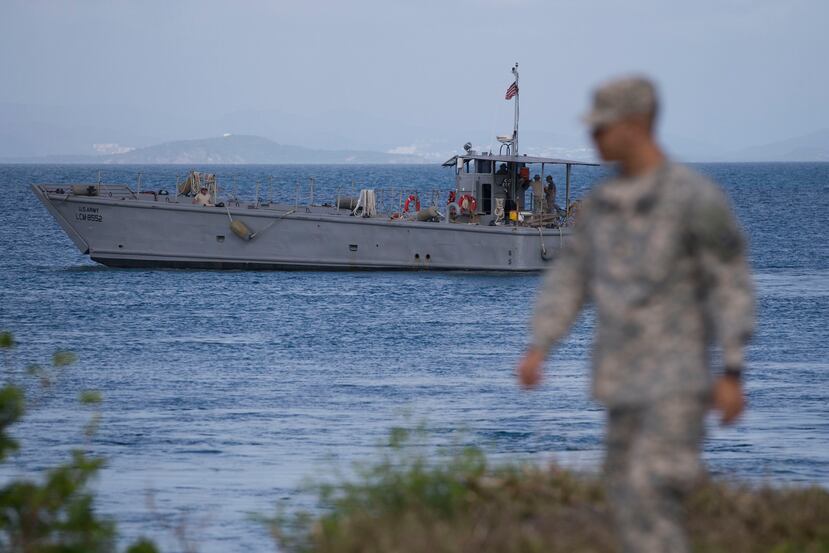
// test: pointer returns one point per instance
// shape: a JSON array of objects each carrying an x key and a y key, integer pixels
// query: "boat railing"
[
  {"x": 305, "y": 193},
  {"x": 270, "y": 192},
  {"x": 393, "y": 199},
  {"x": 97, "y": 189}
]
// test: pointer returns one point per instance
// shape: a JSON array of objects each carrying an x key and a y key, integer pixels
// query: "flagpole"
[{"x": 515, "y": 126}]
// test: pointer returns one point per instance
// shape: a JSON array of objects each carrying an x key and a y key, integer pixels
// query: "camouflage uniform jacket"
[{"x": 663, "y": 260}]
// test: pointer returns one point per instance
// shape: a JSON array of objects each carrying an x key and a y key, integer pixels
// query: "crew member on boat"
[
  {"x": 550, "y": 196},
  {"x": 203, "y": 198},
  {"x": 538, "y": 194},
  {"x": 521, "y": 189}
]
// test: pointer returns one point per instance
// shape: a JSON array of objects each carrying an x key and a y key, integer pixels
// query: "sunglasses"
[{"x": 598, "y": 130}]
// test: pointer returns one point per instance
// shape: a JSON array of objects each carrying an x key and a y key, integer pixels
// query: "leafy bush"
[
  {"x": 56, "y": 514},
  {"x": 457, "y": 503}
]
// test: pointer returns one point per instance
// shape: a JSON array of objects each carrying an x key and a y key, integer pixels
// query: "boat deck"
[{"x": 124, "y": 195}]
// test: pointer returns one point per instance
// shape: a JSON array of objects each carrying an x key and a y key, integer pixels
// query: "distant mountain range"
[
  {"x": 119, "y": 134},
  {"x": 226, "y": 150},
  {"x": 810, "y": 147}
]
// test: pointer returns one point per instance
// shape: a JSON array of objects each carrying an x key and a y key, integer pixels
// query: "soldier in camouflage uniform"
[{"x": 659, "y": 253}]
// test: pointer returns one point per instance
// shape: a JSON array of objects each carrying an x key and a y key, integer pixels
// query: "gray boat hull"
[{"x": 121, "y": 230}]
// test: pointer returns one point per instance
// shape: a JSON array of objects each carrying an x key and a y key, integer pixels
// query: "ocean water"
[{"x": 224, "y": 390}]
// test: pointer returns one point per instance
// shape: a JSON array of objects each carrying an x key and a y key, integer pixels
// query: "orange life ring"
[
  {"x": 409, "y": 200},
  {"x": 468, "y": 203}
]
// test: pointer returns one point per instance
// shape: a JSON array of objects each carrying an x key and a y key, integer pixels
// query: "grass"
[{"x": 405, "y": 503}]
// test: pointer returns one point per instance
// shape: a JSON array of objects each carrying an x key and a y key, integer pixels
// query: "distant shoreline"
[{"x": 325, "y": 163}]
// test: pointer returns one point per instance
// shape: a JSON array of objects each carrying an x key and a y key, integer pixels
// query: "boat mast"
[{"x": 515, "y": 125}]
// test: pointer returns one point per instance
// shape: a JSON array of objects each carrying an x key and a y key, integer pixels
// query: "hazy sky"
[{"x": 733, "y": 72}]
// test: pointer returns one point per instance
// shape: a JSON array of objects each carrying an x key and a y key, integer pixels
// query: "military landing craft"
[{"x": 484, "y": 224}]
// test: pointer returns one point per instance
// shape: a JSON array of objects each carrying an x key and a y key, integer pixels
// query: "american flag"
[{"x": 511, "y": 91}]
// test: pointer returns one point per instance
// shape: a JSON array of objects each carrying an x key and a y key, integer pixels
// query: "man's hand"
[
  {"x": 529, "y": 368},
  {"x": 728, "y": 398}
]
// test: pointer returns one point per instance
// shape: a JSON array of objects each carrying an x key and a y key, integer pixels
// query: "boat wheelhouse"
[{"x": 495, "y": 178}]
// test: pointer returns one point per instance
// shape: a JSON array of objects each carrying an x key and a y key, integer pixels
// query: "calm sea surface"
[{"x": 223, "y": 390}]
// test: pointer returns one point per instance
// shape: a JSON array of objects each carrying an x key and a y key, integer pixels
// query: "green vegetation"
[
  {"x": 458, "y": 503},
  {"x": 55, "y": 514}
]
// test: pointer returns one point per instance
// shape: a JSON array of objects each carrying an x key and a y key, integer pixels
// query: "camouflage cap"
[{"x": 620, "y": 98}]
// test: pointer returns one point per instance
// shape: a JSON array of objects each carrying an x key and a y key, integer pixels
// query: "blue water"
[{"x": 223, "y": 390}]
